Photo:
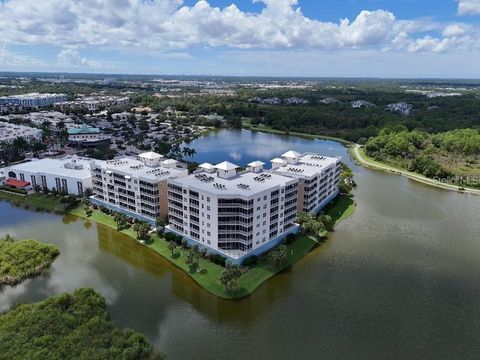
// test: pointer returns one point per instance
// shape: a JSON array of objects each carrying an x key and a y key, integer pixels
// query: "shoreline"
[
  {"x": 208, "y": 279},
  {"x": 267, "y": 130},
  {"x": 363, "y": 159}
]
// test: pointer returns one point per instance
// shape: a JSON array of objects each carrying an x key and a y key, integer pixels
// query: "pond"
[{"x": 398, "y": 280}]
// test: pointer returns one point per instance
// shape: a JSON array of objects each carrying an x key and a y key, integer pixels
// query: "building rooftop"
[
  {"x": 207, "y": 166},
  {"x": 308, "y": 165},
  {"x": 133, "y": 167},
  {"x": 243, "y": 184},
  {"x": 150, "y": 155},
  {"x": 256, "y": 163},
  {"x": 292, "y": 154},
  {"x": 11, "y": 131},
  {"x": 74, "y": 167},
  {"x": 227, "y": 166},
  {"x": 83, "y": 130}
]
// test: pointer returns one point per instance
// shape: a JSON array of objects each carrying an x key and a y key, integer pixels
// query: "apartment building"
[
  {"x": 235, "y": 214},
  {"x": 70, "y": 175},
  {"x": 33, "y": 100},
  {"x": 135, "y": 186},
  {"x": 318, "y": 177},
  {"x": 9, "y": 132}
]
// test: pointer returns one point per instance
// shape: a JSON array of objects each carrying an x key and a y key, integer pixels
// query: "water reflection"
[{"x": 398, "y": 280}]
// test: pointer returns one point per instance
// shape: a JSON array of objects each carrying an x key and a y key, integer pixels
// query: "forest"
[
  {"x": 453, "y": 154},
  {"x": 68, "y": 326}
]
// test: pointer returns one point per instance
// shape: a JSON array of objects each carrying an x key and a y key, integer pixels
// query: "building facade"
[
  {"x": 86, "y": 136},
  {"x": 234, "y": 214},
  {"x": 318, "y": 177},
  {"x": 33, "y": 100},
  {"x": 136, "y": 187},
  {"x": 9, "y": 132},
  {"x": 70, "y": 175}
]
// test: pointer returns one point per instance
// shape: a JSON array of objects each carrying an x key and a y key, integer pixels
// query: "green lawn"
[
  {"x": 69, "y": 326},
  {"x": 22, "y": 259},
  {"x": 342, "y": 208},
  {"x": 37, "y": 201},
  {"x": 209, "y": 276}
]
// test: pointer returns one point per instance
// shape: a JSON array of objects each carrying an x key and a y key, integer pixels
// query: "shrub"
[
  {"x": 250, "y": 261},
  {"x": 291, "y": 239}
]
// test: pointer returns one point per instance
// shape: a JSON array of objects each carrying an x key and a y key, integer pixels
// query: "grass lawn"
[
  {"x": 209, "y": 276},
  {"x": 342, "y": 208},
  {"x": 22, "y": 259},
  {"x": 37, "y": 201}
]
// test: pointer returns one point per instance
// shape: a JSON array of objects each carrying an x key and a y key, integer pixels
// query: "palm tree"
[
  {"x": 20, "y": 145},
  {"x": 172, "y": 246}
]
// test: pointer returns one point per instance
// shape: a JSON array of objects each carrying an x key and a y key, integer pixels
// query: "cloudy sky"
[{"x": 381, "y": 38}]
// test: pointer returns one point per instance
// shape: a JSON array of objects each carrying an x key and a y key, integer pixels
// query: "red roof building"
[{"x": 19, "y": 184}]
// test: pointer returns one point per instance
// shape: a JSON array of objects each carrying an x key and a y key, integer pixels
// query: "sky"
[{"x": 313, "y": 38}]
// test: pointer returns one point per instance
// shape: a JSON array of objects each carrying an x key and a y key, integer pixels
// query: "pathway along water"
[{"x": 398, "y": 280}]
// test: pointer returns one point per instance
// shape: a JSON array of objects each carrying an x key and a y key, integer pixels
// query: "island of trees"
[
  {"x": 23, "y": 259},
  {"x": 69, "y": 326}
]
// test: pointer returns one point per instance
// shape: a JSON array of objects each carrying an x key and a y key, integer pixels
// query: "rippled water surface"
[{"x": 398, "y": 280}]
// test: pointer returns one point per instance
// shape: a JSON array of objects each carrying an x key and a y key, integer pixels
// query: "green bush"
[
  {"x": 250, "y": 261},
  {"x": 68, "y": 326}
]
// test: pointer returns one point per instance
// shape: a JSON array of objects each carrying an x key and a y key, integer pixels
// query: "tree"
[
  {"x": 278, "y": 256},
  {"x": 229, "y": 278},
  {"x": 161, "y": 223},
  {"x": 120, "y": 219},
  {"x": 191, "y": 259},
  {"x": 172, "y": 246}
]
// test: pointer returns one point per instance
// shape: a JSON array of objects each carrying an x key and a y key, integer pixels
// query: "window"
[
  {"x": 22, "y": 177},
  {"x": 208, "y": 216},
  {"x": 208, "y": 234},
  {"x": 80, "y": 188},
  {"x": 208, "y": 199}
]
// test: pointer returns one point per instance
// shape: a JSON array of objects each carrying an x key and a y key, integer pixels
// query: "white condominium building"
[
  {"x": 234, "y": 214},
  {"x": 32, "y": 100},
  {"x": 318, "y": 177},
  {"x": 9, "y": 132},
  {"x": 70, "y": 175},
  {"x": 136, "y": 187}
]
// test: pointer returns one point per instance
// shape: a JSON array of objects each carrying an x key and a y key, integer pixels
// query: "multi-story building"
[
  {"x": 70, "y": 175},
  {"x": 33, "y": 100},
  {"x": 136, "y": 187},
  {"x": 234, "y": 214},
  {"x": 9, "y": 132},
  {"x": 318, "y": 177},
  {"x": 86, "y": 136}
]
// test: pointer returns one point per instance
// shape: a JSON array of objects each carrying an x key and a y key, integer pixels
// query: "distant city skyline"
[{"x": 291, "y": 38}]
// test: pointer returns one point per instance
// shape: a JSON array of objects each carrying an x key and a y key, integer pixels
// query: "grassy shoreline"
[
  {"x": 269, "y": 130},
  {"x": 358, "y": 153},
  {"x": 208, "y": 277}
]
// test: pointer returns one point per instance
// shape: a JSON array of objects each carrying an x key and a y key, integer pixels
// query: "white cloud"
[
  {"x": 454, "y": 30},
  {"x": 70, "y": 57},
  {"x": 469, "y": 7},
  {"x": 12, "y": 59},
  {"x": 167, "y": 27}
]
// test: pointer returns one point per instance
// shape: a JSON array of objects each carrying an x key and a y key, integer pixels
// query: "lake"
[{"x": 398, "y": 280}]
